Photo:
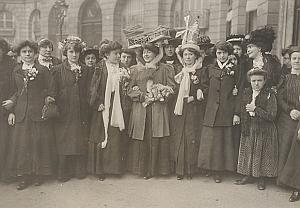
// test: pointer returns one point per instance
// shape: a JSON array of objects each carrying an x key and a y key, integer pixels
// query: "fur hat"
[{"x": 262, "y": 38}]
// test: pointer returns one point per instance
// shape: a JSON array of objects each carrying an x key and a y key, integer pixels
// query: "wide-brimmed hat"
[
  {"x": 262, "y": 38},
  {"x": 205, "y": 42},
  {"x": 235, "y": 39},
  {"x": 172, "y": 40}
]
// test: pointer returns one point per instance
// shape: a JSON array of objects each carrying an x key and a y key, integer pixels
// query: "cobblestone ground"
[{"x": 134, "y": 192}]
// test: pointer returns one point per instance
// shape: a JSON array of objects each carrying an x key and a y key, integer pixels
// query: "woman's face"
[
  {"x": 257, "y": 82},
  {"x": 126, "y": 59},
  {"x": 222, "y": 55},
  {"x": 114, "y": 56},
  {"x": 169, "y": 50},
  {"x": 148, "y": 55},
  {"x": 295, "y": 60},
  {"x": 253, "y": 51},
  {"x": 189, "y": 58},
  {"x": 27, "y": 54},
  {"x": 72, "y": 55},
  {"x": 45, "y": 51},
  {"x": 237, "y": 50},
  {"x": 90, "y": 60}
]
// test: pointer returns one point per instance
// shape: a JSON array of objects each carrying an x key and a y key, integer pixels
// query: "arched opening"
[
  {"x": 35, "y": 25},
  {"x": 7, "y": 25},
  {"x": 90, "y": 22},
  {"x": 53, "y": 32}
]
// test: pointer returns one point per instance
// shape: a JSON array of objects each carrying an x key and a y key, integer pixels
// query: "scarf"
[
  {"x": 254, "y": 95},
  {"x": 112, "y": 85},
  {"x": 183, "y": 78}
]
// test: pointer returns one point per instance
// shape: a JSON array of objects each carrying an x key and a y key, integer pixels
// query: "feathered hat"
[
  {"x": 262, "y": 38},
  {"x": 190, "y": 36}
]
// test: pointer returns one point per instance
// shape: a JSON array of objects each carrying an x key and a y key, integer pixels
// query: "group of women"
[{"x": 230, "y": 107}]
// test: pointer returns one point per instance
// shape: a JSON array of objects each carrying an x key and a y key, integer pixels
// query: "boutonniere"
[
  {"x": 77, "y": 69},
  {"x": 229, "y": 69},
  {"x": 195, "y": 79},
  {"x": 32, "y": 74}
]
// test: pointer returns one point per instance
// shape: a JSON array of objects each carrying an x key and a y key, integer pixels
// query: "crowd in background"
[{"x": 170, "y": 106}]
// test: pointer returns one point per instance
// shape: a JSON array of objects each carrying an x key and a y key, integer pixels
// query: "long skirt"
[
  {"x": 31, "y": 149},
  {"x": 290, "y": 174},
  {"x": 286, "y": 131},
  {"x": 258, "y": 155},
  {"x": 150, "y": 157},
  {"x": 4, "y": 139},
  {"x": 71, "y": 166},
  {"x": 186, "y": 141},
  {"x": 108, "y": 160},
  {"x": 216, "y": 150}
]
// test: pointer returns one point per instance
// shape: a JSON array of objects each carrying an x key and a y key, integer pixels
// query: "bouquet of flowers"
[
  {"x": 124, "y": 79},
  {"x": 157, "y": 92}
]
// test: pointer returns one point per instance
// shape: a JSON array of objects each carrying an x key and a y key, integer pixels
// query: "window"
[
  {"x": 6, "y": 20},
  {"x": 251, "y": 19}
]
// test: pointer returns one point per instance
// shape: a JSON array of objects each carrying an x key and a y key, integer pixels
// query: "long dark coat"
[
  {"x": 110, "y": 159},
  {"x": 71, "y": 98},
  {"x": 31, "y": 144},
  {"x": 221, "y": 103},
  {"x": 185, "y": 135}
]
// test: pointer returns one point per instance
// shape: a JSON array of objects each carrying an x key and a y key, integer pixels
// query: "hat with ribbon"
[{"x": 190, "y": 36}]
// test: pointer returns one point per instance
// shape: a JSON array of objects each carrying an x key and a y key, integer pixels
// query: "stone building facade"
[{"x": 94, "y": 20}]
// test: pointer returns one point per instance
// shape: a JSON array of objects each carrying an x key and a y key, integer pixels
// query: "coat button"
[{"x": 218, "y": 90}]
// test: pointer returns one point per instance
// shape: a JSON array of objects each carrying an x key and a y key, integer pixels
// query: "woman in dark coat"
[
  {"x": 289, "y": 112},
  {"x": 259, "y": 45},
  {"x": 7, "y": 65},
  {"x": 185, "y": 138},
  {"x": 149, "y": 126},
  {"x": 290, "y": 173},
  {"x": 216, "y": 151},
  {"x": 30, "y": 150},
  {"x": 258, "y": 155},
  {"x": 70, "y": 92},
  {"x": 108, "y": 121}
]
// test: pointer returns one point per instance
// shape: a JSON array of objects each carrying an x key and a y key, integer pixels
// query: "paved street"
[{"x": 133, "y": 192}]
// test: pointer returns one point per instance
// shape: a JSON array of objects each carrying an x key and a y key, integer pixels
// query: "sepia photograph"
[{"x": 149, "y": 103}]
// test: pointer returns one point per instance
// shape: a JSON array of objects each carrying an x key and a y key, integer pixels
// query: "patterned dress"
[{"x": 258, "y": 155}]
